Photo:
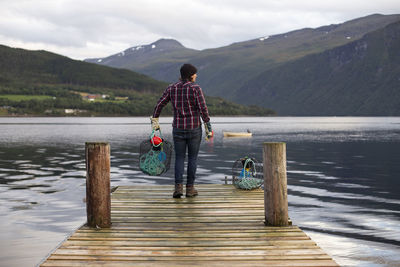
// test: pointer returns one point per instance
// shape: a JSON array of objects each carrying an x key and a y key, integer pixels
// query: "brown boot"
[
  {"x": 191, "y": 191},
  {"x": 178, "y": 191}
]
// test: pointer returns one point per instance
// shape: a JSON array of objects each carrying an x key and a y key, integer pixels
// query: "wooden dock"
[{"x": 223, "y": 226}]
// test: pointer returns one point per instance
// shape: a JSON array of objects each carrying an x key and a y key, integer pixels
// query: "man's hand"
[
  {"x": 154, "y": 124},
  {"x": 208, "y": 129}
]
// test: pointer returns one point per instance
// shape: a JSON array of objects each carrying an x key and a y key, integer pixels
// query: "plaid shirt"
[{"x": 188, "y": 102}]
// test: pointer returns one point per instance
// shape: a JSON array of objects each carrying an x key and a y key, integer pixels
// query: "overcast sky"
[{"x": 81, "y": 28}]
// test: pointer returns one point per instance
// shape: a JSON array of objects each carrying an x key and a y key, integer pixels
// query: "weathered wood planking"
[{"x": 223, "y": 226}]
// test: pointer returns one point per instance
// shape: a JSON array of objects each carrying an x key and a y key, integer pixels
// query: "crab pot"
[
  {"x": 247, "y": 173},
  {"x": 155, "y": 157}
]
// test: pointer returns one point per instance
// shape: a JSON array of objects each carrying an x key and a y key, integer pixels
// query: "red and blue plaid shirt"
[{"x": 188, "y": 102}]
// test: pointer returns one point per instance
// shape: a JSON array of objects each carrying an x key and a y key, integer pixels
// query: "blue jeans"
[{"x": 182, "y": 139}]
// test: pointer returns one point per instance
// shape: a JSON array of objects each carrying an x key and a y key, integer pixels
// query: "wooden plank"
[
  {"x": 210, "y": 192},
  {"x": 173, "y": 213},
  {"x": 218, "y": 207},
  {"x": 192, "y": 248},
  {"x": 188, "y": 231},
  {"x": 223, "y": 226},
  {"x": 151, "y": 263},
  {"x": 191, "y": 243},
  {"x": 153, "y": 199},
  {"x": 171, "y": 234},
  {"x": 210, "y": 259},
  {"x": 226, "y": 216},
  {"x": 258, "y": 219},
  {"x": 193, "y": 252},
  {"x": 187, "y": 239},
  {"x": 202, "y": 194},
  {"x": 155, "y": 187},
  {"x": 199, "y": 201},
  {"x": 179, "y": 226}
]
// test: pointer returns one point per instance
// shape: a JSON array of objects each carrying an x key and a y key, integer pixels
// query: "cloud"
[{"x": 81, "y": 29}]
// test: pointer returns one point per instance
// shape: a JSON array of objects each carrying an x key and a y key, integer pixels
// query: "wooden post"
[
  {"x": 98, "y": 195},
  {"x": 275, "y": 184}
]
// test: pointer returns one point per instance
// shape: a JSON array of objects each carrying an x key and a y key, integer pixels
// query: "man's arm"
[
  {"x": 201, "y": 102},
  {"x": 164, "y": 99}
]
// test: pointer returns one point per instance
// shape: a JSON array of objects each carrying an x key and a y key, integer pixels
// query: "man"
[{"x": 188, "y": 103}]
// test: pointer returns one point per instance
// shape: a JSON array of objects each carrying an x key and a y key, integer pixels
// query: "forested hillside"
[
  {"x": 360, "y": 78},
  {"x": 43, "y": 83}
]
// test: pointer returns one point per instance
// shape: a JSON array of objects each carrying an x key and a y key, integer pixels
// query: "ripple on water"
[
  {"x": 223, "y": 168},
  {"x": 20, "y": 177},
  {"x": 38, "y": 172},
  {"x": 349, "y": 185},
  {"x": 29, "y": 166},
  {"x": 18, "y": 162},
  {"x": 80, "y": 165},
  {"x": 50, "y": 191},
  {"x": 50, "y": 159},
  {"x": 129, "y": 153},
  {"x": 125, "y": 166},
  {"x": 74, "y": 174},
  {"x": 314, "y": 174},
  {"x": 125, "y": 171},
  {"x": 27, "y": 186},
  {"x": 53, "y": 169},
  {"x": 70, "y": 162},
  {"x": 27, "y": 206}
]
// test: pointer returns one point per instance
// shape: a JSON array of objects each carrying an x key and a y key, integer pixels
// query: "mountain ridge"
[
  {"x": 227, "y": 71},
  {"x": 358, "y": 78},
  {"x": 241, "y": 60}
]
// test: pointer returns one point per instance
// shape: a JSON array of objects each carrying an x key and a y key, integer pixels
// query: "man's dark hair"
[{"x": 187, "y": 70}]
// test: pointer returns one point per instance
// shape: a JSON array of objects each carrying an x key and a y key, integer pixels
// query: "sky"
[{"x": 83, "y": 29}]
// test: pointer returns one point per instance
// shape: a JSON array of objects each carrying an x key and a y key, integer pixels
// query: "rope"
[
  {"x": 245, "y": 173},
  {"x": 247, "y": 178},
  {"x": 150, "y": 162},
  {"x": 249, "y": 183}
]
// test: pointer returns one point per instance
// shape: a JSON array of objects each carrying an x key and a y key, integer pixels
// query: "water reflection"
[{"x": 342, "y": 177}]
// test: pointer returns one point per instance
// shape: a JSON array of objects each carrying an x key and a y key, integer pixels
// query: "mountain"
[
  {"x": 231, "y": 71},
  {"x": 44, "y": 83},
  {"x": 163, "y": 53},
  {"x": 359, "y": 78}
]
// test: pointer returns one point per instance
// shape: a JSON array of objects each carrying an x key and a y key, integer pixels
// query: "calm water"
[{"x": 343, "y": 178}]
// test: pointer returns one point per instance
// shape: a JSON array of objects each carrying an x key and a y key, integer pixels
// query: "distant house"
[
  {"x": 69, "y": 111},
  {"x": 93, "y": 97},
  {"x": 73, "y": 111}
]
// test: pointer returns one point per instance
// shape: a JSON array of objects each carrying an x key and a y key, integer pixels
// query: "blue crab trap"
[
  {"x": 247, "y": 173},
  {"x": 155, "y": 155}
]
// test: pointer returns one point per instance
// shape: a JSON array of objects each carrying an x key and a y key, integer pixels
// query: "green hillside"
[
  {"x": 43, "y": 83},
  {"x": 359, "y": 78},
  {"x": 23, "y": 67}
]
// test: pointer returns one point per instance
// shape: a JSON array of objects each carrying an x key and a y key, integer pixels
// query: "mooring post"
[
  {"x": 98, "y": 195},
  {"x": 275, "y": 184}
]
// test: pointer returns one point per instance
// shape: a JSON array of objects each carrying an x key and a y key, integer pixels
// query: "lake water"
[{"x": 343, "y": 178}]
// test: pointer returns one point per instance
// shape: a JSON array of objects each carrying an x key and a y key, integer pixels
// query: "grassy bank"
[{"x": 26, "y": 97}]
